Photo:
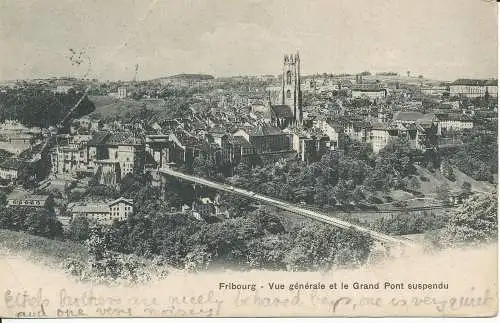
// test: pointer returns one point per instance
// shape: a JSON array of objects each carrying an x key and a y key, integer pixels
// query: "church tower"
[{"x": 290, "y": 86}]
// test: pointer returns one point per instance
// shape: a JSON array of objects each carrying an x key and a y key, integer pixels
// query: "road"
[{"x": 312, "y": 214}]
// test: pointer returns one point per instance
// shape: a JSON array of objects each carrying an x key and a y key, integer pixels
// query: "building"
[
  {"x": 119, "y": 147},
  {"x": 122, "y": 92},
  {"x": 243, "y": 150},
  {"x": 15, "y": 138},
  {"x": 369, "y": 91},
  {"x": 85, "y": 125},
  {"x": 435, "y": 90},
  {"x": 63, "y": 89},
  {"x": 472, "y": 88},
  {"x": 358, "y": 130},
  {"x": 10, "y": 169},
  {"x": 309, "y": 146},
  {"x": 379, "y": 136},
  {"x": 449, "y": 122},
  {"x": 332, "y": 130},
  {"x": 289, "y": 108},
  {"x": 422, "y": 130},
  {"x": 204, "y": 207},
  {"x": 266, "y": 139},
  {"x": 19, "y": 199},
  {"x": 158, "y": 147},
  {"x": 103, "y": 212}
]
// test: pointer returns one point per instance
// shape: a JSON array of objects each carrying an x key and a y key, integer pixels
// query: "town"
[{"x": 392, "y": 153}]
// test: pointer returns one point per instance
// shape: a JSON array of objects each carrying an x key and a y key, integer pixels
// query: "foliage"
[
  {"x": 79, "y": 229},
  {"x": 35, "y": 221},
  {"x": 448, "y": 172},
  {"x": 409, "y": 223},
  {"x": 34, "y": 106},
  {"x": 478, "y": 157},
  {"x": 474, "y": 222},
  {"x": 38, "y": 247},
  {"x": 318, "y": 247}
]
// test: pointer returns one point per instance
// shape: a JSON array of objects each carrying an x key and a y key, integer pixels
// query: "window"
[
  {"x": 288, "y": 77},
  {"x": 288, "y": 94}
]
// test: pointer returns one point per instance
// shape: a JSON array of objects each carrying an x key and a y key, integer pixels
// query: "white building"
[
  {"x": 331, "y": 130},
  {"x": 379, "y": 136},
  {"x": 122, "y": 92},
  {"x": 455, "y": 122},
  {"x": 28, "y": 200},
  {"x": 474, "y": 88},
  {"x": 10, "y": 169},
  {"x": 369, "y": 91},
  {"x": 103, "y": 212}
]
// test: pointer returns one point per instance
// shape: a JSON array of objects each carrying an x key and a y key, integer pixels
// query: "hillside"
[
  {"x": 187, "y": 77},
  {"x": 41, "y": 250},
  {"x": 75, "y": 260},
  {"x": 109, "y": 107}
]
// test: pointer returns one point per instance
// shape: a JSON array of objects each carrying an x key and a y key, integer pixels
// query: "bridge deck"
[{"x": 286, "y": 206}]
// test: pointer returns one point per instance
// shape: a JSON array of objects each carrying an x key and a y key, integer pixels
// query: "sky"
[{"x": 443, "y": 39}]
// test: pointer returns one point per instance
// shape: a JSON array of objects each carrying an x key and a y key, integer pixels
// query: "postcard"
[{"x": 248, "y": 158}]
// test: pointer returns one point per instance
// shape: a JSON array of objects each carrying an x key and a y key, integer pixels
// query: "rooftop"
[
  {"x": 31, "y": 197},
  {"x": 241, "y": 141},
  {"x": 282, "y": 111},
  {"x": 475, "y": 82},
  {"x": 265, "y": 130},
  {"x": 12, "y": 163}
]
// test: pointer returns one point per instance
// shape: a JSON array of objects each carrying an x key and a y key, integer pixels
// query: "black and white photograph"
[{"x": 281, "y": 158}]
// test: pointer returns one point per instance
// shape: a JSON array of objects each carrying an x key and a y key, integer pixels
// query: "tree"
[
  {"x": 474, "y": 222},
  {"x": 268, "y": 252},
  {"x": 79, "y": 229},
  {"x": 466, "y": 186},
  {"x": 443, "y": 192},
  {"x": 315, "y": 247},
  {"x": 447, "y": 172},
  {"x": 204, "y": 167}
]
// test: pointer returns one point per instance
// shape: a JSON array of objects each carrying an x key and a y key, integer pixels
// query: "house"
[
  {"x": 422, "y": 130},
  {"x": 122, "y": 92},
  {"x": 204, "y": 207},
  {"x": 103, "y": 212}
]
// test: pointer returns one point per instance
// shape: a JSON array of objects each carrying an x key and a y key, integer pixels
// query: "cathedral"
[{"x": 288, "y": 110}]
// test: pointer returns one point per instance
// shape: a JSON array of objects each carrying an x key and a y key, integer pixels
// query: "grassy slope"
[
  {"x": 53, "y": 253},
  {"x": 46, "y": 251}
]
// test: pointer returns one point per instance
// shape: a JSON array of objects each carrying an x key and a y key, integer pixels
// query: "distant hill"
[{"x": 190, "y": 77}]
